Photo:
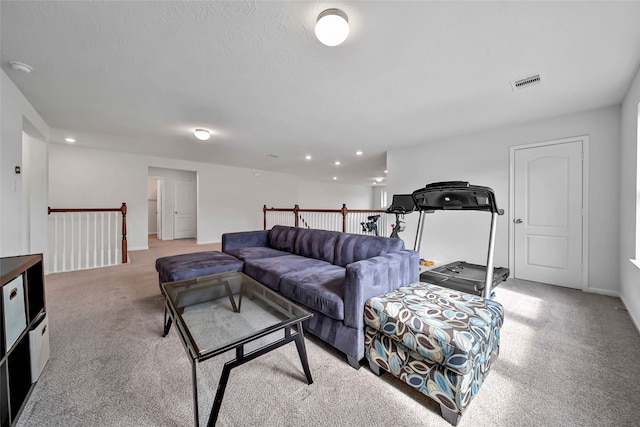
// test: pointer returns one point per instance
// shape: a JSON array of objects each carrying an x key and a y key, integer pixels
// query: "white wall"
[
  {"x": 376, "y": 192},
  {"x": 327, "y": 195},
  {"x": 483, "y": 159},
  {"x": 35, "y": 179},
  {"x": 629, "y": 273},
  {"x": 229, "y": 198},
  {"x": 18, "y": 116}
]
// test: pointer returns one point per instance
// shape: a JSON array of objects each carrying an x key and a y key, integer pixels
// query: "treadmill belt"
[{"x": 462, "y": 276}]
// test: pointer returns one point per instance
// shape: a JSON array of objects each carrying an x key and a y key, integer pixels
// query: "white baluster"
[
  {"x": 101, "y": 239},
  {"x": 115, "y": 239},
  {"x": 79, "y": 240},
  {"x": 64, "y": 243},
  {"x": 95, "y": 239},
  {"x": 109, "y": 238},
  {"x": 55, "y": 243},
  {"x": 86, "y": 265}
]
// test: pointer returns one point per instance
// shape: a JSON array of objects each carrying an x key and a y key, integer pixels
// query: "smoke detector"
[
  {"x": 21, "y": 66},
  {"x": 525, "y": 82}
]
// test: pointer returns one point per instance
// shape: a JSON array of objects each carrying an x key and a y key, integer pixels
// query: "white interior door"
[
  {"x": 159, "y": 189},
  {"x": 548, "y": 214},
  {"x": 184, "y": 218}
]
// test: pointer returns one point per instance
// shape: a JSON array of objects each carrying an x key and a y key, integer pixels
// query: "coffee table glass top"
[{"x": 223, "y": 311}]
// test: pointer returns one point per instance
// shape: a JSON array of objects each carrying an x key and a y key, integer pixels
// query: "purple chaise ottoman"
[{"x": 197, "y": 264}]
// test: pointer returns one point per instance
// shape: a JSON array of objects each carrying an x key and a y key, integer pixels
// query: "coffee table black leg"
[
  {"x": 194, "y": 379},
  {"x": 230, "y": 295},
  {"x": 241, "y": 359},
  {"x": 222, "y": 385},
  {"x": 167, "y": 322},
  {"x": 302, "y": 352}
]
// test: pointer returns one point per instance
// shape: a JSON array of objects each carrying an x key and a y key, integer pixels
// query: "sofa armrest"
[
  {"x": 376, "y": 276},
  {"x": 245, "y": 239}
]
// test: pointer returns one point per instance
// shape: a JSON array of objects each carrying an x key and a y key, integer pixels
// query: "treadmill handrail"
[{"x": 455, "y": 195}]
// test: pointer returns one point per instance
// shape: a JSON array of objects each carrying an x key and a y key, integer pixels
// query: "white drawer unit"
[
  {"x": 15, "y": 316},
  {"x": 39, "y": 346}
]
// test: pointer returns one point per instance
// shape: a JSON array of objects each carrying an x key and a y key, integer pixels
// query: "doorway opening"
[{"x": 172, "y": 204}]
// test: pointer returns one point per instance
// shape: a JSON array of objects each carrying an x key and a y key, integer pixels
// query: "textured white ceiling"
[{"x": 139, "y": 76}]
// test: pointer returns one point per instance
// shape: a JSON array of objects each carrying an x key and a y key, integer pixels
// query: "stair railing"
[
  {"x": 343, "y": 219},
  {"x": 81, "y": 238}
]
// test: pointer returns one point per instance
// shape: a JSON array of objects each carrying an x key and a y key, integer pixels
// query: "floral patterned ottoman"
[{"x": 438, "y": 340}]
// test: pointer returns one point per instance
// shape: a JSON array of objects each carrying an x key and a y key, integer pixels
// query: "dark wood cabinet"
[{"x": 22, "y": 307}]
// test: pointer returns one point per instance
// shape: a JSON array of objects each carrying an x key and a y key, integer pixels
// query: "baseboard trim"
[
  {"x": 138, "y": 248},
  {"x": 634, "y": 319},
  {"x": 607, "y": 292}
]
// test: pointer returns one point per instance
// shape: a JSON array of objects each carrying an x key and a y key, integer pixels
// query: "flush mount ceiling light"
[
  {"x": 202, "y": 134},
  {"x": 21, "y": 66},
  {"x": 307, "y": 157},
  {"x": 70, "y": 140},
  {"x": 358, "y": 153},
  {"x": 332, "y": 27}
]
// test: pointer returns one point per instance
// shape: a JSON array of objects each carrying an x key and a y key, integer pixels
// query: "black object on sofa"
[{"x": 332, "y": 274}]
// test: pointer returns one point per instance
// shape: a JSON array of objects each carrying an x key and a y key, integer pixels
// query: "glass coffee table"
[{"x": 230, "y": 311}]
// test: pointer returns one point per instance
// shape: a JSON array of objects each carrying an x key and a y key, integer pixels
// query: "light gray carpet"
[{"x": 566, "y": 358}]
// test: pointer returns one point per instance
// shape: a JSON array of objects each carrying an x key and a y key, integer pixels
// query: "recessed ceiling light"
[
  {"x": 378, "y": 179},
  {"x": 70, "y": 140},
  {"x": 335, "y": 177},
  {"x": 307, "y": 157},
  {"x": 374, "y": 183},
  {"x": 337, "y": 163},
  {"x": 202, "y": 134},
  {"x": 21, "y": 66},
  {"x": 385, "y": 171},
  {"x": 358, "y": 153}
]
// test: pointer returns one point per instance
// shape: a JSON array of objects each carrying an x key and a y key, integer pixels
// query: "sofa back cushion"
[
  {"x": 283, "y": 238},
  {"x": 355, "y": 247},
  {"x": 318, "y": 244}
]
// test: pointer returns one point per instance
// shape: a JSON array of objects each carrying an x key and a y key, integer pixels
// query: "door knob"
[{"x": 517, "y": 221}]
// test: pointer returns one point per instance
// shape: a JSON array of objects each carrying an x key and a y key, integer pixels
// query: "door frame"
[
  {"x": 160, "y": 190},
  {"x": 584, "y": 139}
]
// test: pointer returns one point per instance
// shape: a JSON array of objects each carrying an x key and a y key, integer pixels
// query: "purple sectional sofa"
[{"x": 332, "y": 274}]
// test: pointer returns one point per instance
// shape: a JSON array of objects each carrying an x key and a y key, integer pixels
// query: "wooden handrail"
[
  {"x": 122, "y": 209},
  {"x": 296, "y": 210}
]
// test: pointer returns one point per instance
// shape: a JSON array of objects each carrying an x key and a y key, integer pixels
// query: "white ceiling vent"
[{"x": 520, "y": 84}]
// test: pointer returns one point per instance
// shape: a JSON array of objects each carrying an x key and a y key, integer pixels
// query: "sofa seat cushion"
[
  {"x": 445, "y": 326},
  {"x": 258, "y": 252},
  {"x": 269, "y": 271},
  {"x": 320, "y": 288},
  {"x": 197, "y": 264}
]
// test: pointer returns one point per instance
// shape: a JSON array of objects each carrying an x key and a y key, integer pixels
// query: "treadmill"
[{"x": 461, "y": 196}]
